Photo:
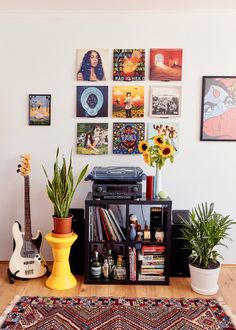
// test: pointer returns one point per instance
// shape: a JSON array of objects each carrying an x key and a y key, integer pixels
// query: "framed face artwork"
[
  {"x": 166, "y": 64},
  {"x": 92, "y": 64},
  {"x": 165, "y": 101},
  {"x": 218, "y": 117},
  {"x": 129, "y": 64},
  {"x": 170, "y": 130},
  {"x": 126, "y": 137},
  {"x": 39, "y": 109},
  {"x": 92, "y": 101},
  {"x": 92, "y": 138},
  {"x": 128, "y": 102}
]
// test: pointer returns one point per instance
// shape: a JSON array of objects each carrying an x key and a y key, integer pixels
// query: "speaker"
[
  {"x": 76, "y": 257},
  {"x": 177, "y": 216},
  {"x": 179, "y": 256}
]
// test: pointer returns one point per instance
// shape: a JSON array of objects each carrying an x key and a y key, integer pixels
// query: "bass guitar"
[{"x": 26, "y": 261}]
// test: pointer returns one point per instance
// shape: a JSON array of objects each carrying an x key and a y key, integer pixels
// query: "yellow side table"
[{"x": 61, "y": 277}]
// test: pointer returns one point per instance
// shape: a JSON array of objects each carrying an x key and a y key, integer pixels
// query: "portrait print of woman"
[{"x": 91, "y": 64}]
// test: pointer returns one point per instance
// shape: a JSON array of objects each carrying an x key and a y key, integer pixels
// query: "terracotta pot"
[{"x": 62, "y": 225}]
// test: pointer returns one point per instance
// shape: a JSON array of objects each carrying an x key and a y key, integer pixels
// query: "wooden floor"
[{"x": 179, "y": 287}]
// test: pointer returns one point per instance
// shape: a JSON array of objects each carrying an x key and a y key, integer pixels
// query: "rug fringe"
[
  {"x": 8, "y": 309},
  {"x": 227, "y": 310}
]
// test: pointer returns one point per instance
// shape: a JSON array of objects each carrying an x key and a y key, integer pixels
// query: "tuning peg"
[
  {"x": 18, "y": 171},
  {"x": 19, "y": 165}
]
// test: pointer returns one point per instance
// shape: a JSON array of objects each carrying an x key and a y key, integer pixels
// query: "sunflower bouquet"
[{"x": 156, "y": 155}]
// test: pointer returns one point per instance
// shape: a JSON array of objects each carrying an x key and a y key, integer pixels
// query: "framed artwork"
[
  {"x": 170, "y": 129},
  {"x": 166, "y": 64},
  {"x": 165, "y": 101},
  {"x": 218, "y": 117},
  {"x": 129, "y": 64},
  {"x": 39, "y": 109},
  {"x": 91, "y": 64},
  {"x": 128, "y": 101},
  {"x": 92, "y": 138},
  {"x": 92, "y": 101},
  {"x": 126, "y": 137}
]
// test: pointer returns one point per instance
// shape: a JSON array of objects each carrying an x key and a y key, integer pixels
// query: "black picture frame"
[
  {"x": 39, "y": 109},
  {"x": 218, "y": 108}
]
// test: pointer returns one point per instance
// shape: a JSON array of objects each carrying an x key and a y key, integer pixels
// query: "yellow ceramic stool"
[{"x": 61, "y": 277}]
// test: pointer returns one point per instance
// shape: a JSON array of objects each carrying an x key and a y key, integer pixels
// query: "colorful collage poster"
[
  {"x": 166, "y": 64},
  {"x": 126, "y": 137},
  {"x": 170, "y": 130},
  {"x": 92, "y": 138},
  {"x": 92, "y": 64},
  {"x": 128, "y": 102},
  {"x": 129, "y": 64},
  {"x": 92, "y": 101}
]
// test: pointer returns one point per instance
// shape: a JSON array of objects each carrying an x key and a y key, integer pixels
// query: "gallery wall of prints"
[
  {"x": 41, "y": 56},
  {"x": 128, "y": 106}
]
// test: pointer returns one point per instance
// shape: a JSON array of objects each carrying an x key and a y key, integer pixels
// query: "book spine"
[{"x": 99, "y": 225}]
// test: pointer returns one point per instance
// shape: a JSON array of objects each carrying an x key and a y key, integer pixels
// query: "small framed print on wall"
[
  {"x": 39, "y": 109},
  {"x": 165, "y": 101},
  {"x": 218, "y": 117}
]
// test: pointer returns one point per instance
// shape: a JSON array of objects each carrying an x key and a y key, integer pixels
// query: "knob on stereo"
[
  {"x": 135, "y": 189},
  {"x": 99, "y": 188}
]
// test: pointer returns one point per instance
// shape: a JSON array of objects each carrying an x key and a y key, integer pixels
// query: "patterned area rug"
[{"x": 116, "y": 314}]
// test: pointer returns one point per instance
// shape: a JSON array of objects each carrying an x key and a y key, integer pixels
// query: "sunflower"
[
  {"x": 158, "y": 140},
  {"x": 146, "y": 158},
  {"x": 166, "y": 151},
  {"x": 142, "y": 146}
]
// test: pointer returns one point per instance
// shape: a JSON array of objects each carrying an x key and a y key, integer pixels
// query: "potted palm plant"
[
  {"x": 203, "y": 232},
  {"x": 60, "y": 191}
]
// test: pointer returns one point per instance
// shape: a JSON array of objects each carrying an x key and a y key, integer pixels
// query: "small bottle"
[
  {"x": 111, "y": 262},
  {"x": 96, "y": 269},
  {"x": 105, "y": 269},
  {"x": 132, "y": 233},
  {"x": 120, "y": 270}
]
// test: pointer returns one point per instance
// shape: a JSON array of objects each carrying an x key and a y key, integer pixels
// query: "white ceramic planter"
[{"x": 204, "y": 281}]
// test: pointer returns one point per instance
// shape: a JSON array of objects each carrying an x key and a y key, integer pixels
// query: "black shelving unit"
[{"x": 129, "y": 206}]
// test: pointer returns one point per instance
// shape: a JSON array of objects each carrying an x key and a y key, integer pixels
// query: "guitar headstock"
[{"x": 24, "y": 166}]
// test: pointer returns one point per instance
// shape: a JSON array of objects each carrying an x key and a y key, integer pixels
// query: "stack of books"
[
  {"x": 103, "y": 225},
  {"x": 152, "y": 266}
]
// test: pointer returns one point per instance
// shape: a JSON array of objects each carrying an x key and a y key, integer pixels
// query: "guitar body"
[{"x": 26, "y": 261}]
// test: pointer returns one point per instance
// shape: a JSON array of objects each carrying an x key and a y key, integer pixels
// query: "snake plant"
[{"x": 62, "y": 187}]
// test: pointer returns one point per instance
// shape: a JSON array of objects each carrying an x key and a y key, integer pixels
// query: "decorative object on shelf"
[
  {"x": 156, "y": 155},
  {"x": 132, "y": 234},
  {"x": 105, "y": 269},
  {"x": 60, "y": 191},
  {"x": 133, "y": 219},
  {"x": 218, "y": 108},
  {"x": 147, "y": 234},
  {"x": 119, "y": 269},
  {"x": 96, "y": 268},
  {"x": 202, "y": 232},
  {"x": 39, "y": 109},
  {"x": 149, "y": 186},
  {"x": 139, "y": 236},
  {"x": 163, "y": 194},
  {"x": 159, "y": 234}
]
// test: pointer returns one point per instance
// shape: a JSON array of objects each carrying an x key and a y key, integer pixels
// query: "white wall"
[{"x": 38, "y": 56}]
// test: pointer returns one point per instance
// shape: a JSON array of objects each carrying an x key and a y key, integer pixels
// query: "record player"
[{"x": 116, "y": 182}]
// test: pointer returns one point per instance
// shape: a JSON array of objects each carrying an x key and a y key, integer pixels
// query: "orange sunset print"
[{"x": 128, "y": 101}]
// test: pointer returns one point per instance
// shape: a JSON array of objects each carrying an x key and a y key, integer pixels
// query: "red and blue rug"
[{"x": 95, "y": 313}]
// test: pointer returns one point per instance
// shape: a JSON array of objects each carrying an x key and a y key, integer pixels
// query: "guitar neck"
[{"x": 28, "y": 234}]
